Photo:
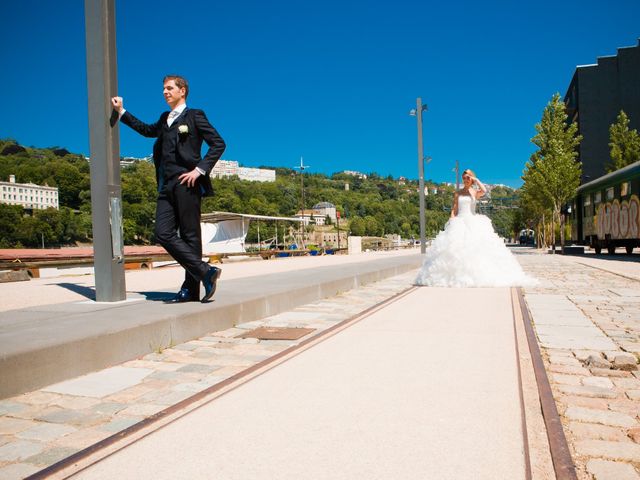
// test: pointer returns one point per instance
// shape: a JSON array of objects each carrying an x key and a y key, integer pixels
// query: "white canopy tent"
[{"x": 225, "y": 232}]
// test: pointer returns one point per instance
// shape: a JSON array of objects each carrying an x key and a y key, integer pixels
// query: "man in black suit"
[{"x": 183, "y": 179}]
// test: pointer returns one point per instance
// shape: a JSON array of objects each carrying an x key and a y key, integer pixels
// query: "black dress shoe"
[
  {"x": 209, "y": 282},
  {"x": 182, "y": 296}
]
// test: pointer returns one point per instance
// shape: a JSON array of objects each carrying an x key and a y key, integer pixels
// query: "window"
[
  {"x": 610, "y": 193},
  {"x": 587, "y": 199},
  {"x": 625, "y": 189},
  {"x": 598, "y": 197}
]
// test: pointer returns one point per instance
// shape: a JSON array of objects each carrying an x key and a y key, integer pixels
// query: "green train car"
[{"x": 605, "y": 213}]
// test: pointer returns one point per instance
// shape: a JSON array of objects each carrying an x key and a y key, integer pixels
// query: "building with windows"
[
  {"x": 594, "y": 99},
  {"x": 230, "y": 168},
  {"x": 326, "y": 209},
  {"x": 28, "y": 195}
]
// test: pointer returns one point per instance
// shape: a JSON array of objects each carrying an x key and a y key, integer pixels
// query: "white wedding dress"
[{"x": 469, "y": 253}]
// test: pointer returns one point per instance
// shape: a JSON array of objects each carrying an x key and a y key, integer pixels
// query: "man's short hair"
[{"x": 180, "y": 82}]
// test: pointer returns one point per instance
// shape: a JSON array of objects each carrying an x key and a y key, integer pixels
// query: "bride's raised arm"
[
  {"x": 483, "y": 189},
  {"x": 454, "y": 208}
]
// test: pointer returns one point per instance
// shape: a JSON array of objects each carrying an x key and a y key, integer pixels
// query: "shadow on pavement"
[
  {"x": 157, "y": 296},
  {"x": 88, "y": 292}
]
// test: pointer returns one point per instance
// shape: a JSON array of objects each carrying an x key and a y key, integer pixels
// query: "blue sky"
[{"x": 332, "y": 81}]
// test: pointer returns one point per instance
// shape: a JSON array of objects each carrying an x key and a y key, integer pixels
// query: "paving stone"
[
  {"x": 75, "y": 403},
  {"x": 601, "y": 382},
  {"x": 50, "y": 456},
  {"x": 597, "y": 361},
  {"x": 198, "y": 368},
  {"x": 566, "y": 379},
  {"x": 633, "y": 394},
  {"x": 108, "y": 408},
  {"x": 35, "y": 411},
  {"x": 17, "y": 470},
  {"x": 623, "y": 405},
  {"x": 603, "y": 372},
  {"x": 627, "y": 383},
  {"x": 120, "y": 423},
  {"x": 634, "y": 434},
  {"x": 171, "y": 376},
  {"x": 625, "y": 451},
  {"x": 19, "y": 450},
  {"x": 73, "y": 417},
  {"x": 9, "y": 425},
  {"x": 142, "y": 410},
  {"x": 171, "y": 398},
  {"x": 7, "y": 407},
  {"x": 588, "y": 402},
  {"x": 193, "y": 387},
  {"x": 587, "y": 391},
  {"x": 569, "y": 370},
  {"x": 625, "y": 361},
  {"x": 564, "y": 360},
  {"x": 45, "y": 432},
  {"x": 102, "y": 383},
  {"x": 594, "y": 431},
  {"x": 39, "y": 398},
  {"x": 82, "y": 438},
  {"x": 604, "y": 417},
  {"x": 582, "y": 355},
  {"x": 611, "y": 354},
  {"x": 607, "y": 470},
  {"x": 163, "y": 366}
]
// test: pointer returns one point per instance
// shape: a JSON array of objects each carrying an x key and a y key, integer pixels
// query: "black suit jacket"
[{"x": 189, "y": 145}]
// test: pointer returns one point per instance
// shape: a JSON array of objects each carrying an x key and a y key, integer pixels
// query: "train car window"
[
  {"x": 625, "y": 189},
  {"x": 610, "y": 193},
  {"x": 587, "y": 199},
  {"x": 598, "y": 197}
]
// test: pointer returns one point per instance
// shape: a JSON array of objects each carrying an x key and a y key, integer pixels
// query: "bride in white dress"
[{"x": 468, "y": 252}]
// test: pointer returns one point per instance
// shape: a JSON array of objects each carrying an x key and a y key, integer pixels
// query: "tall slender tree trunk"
[
  {"x": 553, "y": 233},
  {"x": 561, "y": 232}
]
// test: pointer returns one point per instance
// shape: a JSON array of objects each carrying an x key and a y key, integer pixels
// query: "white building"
[
  {"x": 311, "y": 216},
  {"x": 230, "y": 168},
  {"x": 355, "y": 174},
  {"x": 28, "y": 195},
  {"x": 326, "y": 209}
]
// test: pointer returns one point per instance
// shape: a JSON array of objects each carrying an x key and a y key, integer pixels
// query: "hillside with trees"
[{"x": 373, "y": 206}]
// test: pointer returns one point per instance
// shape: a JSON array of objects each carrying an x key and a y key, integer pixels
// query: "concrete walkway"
[
  {"x": 43, "y": 344},
  {"x": 425, "y": 388}
]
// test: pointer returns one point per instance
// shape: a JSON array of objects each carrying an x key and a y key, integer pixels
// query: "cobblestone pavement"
[
  {"x": 588, "y": 324},
  {"x": 42, "y": 427}
]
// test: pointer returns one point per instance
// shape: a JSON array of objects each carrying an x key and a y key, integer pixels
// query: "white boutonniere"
[{"x": 183, "y": 129}]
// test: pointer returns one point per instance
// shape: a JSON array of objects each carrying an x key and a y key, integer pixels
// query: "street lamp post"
[{"x": 417, "y": 112}]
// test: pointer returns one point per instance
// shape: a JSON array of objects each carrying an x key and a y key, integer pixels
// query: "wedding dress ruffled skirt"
[{"x": 468, "y": 253}]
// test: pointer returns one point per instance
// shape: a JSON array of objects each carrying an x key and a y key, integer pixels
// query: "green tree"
[
  {"x": 624, "y": 144},
  {"x": 553, "y": 174},
  {"x": 372, "y": 226},
  {"x": 357, "y": 226},
  {"x": 10, "y": 224}
]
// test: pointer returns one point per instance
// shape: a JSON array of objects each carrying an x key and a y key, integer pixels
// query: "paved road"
[
  {"x": 586, "y": 312},
  {"x": 424, "y": 388}
]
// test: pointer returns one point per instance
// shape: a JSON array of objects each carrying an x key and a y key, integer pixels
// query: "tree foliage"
[
  {"x": 552, "y": 175},
  {"x": 624, "y": 143},
  {"x": 373, "y": 206}
]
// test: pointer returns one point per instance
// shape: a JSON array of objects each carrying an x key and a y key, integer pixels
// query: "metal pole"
[
  {"x": 338, "y": 226},
  {"x": 423, "y": 247},
  {"x": 106, "y": 203},
  {"x": 457, "y": 175}
]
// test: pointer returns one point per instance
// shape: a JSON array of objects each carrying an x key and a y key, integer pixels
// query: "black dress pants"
[{"x": 178, "y": 208}]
